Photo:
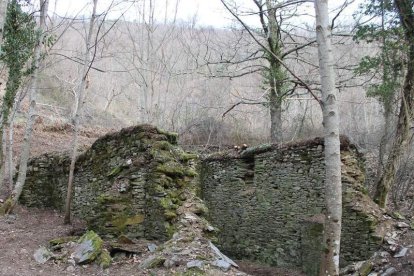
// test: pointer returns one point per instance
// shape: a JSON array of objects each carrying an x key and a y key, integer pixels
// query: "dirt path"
[{"x": 24, "y": 232}]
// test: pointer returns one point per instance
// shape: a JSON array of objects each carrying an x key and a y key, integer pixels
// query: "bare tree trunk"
[
  {"x": 404, "y": 123},
  {"x": 384, "y": 142},
  {"x": 9, "y": 159},
  {"x": 78, "y": 105},
  {"x": 34, "y": 82},
  {"x": 275, "y": 74},
  {"x": 3, "y": 160},
  {"x": 275, "y": 107},
  {"x": 3, "y": 12},
  {"x": 333, "y": 185}
]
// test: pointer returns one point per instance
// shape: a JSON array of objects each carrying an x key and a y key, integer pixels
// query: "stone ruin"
[
  {"x": 128, "y": 183},
  {"x": 267, "y": 201}
]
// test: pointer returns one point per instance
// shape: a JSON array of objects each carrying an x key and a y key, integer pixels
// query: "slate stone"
[
  {"x": 403, "y": 251},
  {"x": 88, "y": 249},
  {"x": 152, "y": 247},
  {"x": 195, "y": 263},
  {"x": 42, "y": 255},
  {"x": 223, "y": 265}
]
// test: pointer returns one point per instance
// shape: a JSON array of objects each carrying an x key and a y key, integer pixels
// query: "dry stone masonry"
[
  {"x": 268, "y": 204},
  {"x": 267, "y": 201},
  {"x": 130, "y": 183}
]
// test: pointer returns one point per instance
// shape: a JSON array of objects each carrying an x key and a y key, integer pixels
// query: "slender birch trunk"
[
  {"x": 333, "y": 189},
  {"x": 34, "y": 84},
  {"x": 77, "y": 113}
]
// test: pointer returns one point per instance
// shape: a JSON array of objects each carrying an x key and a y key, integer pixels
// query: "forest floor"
[{"x": 25, "y": 231}]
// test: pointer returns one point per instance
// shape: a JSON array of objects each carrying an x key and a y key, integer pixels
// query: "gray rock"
[
  {"x": 89, "y": 248},
  {"x": 171, "y": 262},
  {"x": 401, "y": 253},
  {"x": 71, "y": 262},
  {"x": 152, "y": 247},
  {"x": 223, "y": 265},
  {"x": 210, "y": 228},
  {"x": 70, "y": 269},
  {"x": 402, "y": 224},
  {"x": 384, "y": 254},
  {"x": 42, "y": 255},
  {"x": 195, "y": 263},
  {"x": 221, "y": 255},
  {"x": 390, "y": 271}
]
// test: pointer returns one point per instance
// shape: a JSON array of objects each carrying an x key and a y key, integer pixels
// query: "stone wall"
[
  {"x": 267, "y": 201},
  {"x": 268, "y": 204},
  {"x": 130, "y": 182}
]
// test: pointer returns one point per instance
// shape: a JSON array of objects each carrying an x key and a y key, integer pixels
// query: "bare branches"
[
  {"x": 239, "y": 103},
  {"x": 270, "y": 52}
]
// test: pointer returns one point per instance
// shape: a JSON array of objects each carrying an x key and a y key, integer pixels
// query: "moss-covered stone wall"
[
  {"x": 268, "y": 204},
  {"x": 130, "y": 182}
]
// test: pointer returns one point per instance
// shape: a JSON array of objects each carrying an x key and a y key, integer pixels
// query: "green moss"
[
  {"x": 397, "y": 215},
  {"x": 170, "y": 215},
  {"x": 194, "y": 271},
  {"x": 166, "y": 202},
  {"x": 115, "y": 171},
  {"x": 162, "y": 145},
  {"x": 122, "y": 221},
  {"x": 104, "y": 259},
  {"x": 190, "y": 173},
  {"x": 365, "y": 268},
  {"x": 172, "y": 169},
  {"x": 106, "y": 199},
  {"x": 153, "y": 262},
  {"x": 96, "y": 243},
  {"x": 170, "y": 229},
  {"x": 172, "y": 137},
  {"x": 62, "y": 240},
  {"x": 200, "y": 209},
  {"x": 161, "y": 156},
  {"x": 7, "y": 206},
  {"x": 185, "y": 157}
]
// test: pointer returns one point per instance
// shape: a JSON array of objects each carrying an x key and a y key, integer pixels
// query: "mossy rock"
[
  {"x": 152, "y": 262},
  {"x": 104, "y": 259},
  {"x": 170, "y": 215},
  {"x": 365, "y": 268},
  {"x": 172, "y": 169},
  {"x": 397, "y": 215},
  {"x": 88, "y": 249},
  {"x": 185, "y": 157},
  {"x": 172, "y": 137},
  {"x": 162, "y": 145}
]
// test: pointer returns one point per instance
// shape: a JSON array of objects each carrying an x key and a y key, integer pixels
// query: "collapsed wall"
[
  {"x": 268, "y": 204},
  {"x": 128, "y": 183}
]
